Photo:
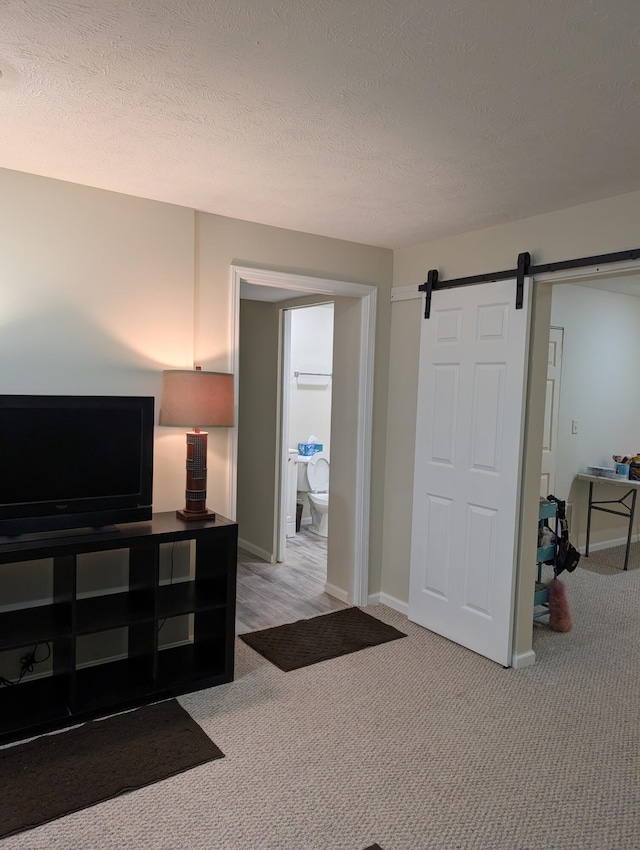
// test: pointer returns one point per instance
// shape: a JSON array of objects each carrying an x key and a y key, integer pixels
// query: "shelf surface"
[
  {"x": 547, "y": 510},
  {"x": 26, "y": 626},
  {"x": 162, "y": 528},
  {"x": 545, "y": 553},
  {"x": 186, "y": 597},
  {"x": 619, "y": 480},
  {"x": 541, "y": 594},
  {"x": 113, "y": 610}
]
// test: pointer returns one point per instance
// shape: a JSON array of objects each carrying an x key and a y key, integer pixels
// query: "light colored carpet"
[
  {"x": 611, "y": 561},
  {"x": 416, "y": 744}
]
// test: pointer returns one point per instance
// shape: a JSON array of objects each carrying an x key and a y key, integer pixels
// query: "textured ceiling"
[{"x": 387, "y": 122}]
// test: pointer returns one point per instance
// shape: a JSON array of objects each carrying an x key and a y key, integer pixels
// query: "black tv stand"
[
  {"x": 149, "y": 672},
  {"x": 66, "y": 533}
]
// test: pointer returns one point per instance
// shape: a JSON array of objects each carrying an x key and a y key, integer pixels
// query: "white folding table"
[{"x": 628, "y": 508}]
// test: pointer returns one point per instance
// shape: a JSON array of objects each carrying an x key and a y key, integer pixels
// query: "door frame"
[
  {"x": 554, "y": 418},
  {"x": 285, "y": 395},
  {"x": 543, "y": 284},
  {"x": 306, "y": 285}
]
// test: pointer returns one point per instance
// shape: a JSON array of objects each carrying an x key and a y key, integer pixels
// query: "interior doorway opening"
[
  {"x": 306, "y": 393},
  {"x": 597, "y": 406},
  {"x": 253, "y": 492}
]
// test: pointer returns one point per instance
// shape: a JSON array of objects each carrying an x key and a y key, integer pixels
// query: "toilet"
[
  {"x": 319, "y": 507},
  {"x": 314, "y": 480}
]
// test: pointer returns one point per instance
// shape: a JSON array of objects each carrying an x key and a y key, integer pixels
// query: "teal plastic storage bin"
[{"x": 309, "y": 449}]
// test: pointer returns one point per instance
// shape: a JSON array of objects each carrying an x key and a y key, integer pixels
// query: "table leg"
[
  {"x": 631, "y": 513},
  {"x": 586, "y": 547}
]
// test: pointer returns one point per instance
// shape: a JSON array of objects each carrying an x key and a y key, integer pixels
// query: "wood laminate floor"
[{"x": 273, "y": 594}]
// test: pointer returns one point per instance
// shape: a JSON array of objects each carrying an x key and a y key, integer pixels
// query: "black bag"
[{"x": 567, "y": 556}]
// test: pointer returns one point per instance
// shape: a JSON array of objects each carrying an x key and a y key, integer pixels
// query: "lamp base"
[{"x": 191, "y": 515}]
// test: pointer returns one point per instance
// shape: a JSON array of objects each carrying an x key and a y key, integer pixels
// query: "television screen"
[{"x": 74, "y": 461}]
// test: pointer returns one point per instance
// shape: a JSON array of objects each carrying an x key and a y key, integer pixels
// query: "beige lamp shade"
[{"x": 195, "y": 399}]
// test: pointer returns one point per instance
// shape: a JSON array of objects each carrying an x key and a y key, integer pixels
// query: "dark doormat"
[
  {"x": 305, "y": 642},
  {"x": 57, "y": 774}
]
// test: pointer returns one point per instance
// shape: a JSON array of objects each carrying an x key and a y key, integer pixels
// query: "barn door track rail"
[{"x": 523, "y": 269}]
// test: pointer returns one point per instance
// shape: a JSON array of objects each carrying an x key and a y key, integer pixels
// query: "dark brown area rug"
[
  {"x": 54, "y": 775},
  {"x": 305, "y": 642}
]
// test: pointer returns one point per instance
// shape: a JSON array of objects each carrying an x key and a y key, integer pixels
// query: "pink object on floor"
[{"x": 559, "y": 614}]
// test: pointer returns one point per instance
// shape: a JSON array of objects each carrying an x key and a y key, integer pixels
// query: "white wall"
[
  {"x": 257, "y": 477},
  {"x": 96, "y": 291},
  {"x": 310, "y": 396},
  {"x": 600, "y": 349}
]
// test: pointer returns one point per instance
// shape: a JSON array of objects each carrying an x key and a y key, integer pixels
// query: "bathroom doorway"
[
  {"x": 306, "y": 398},
  {"x": 255, "y": 446}
]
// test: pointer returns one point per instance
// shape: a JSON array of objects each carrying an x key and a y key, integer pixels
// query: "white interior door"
[
  {"x": 469, "y": 439},
  {"x": 551, "y": 409}
]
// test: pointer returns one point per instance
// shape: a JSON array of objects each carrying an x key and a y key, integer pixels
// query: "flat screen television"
[{"x": 69, "y": 462}]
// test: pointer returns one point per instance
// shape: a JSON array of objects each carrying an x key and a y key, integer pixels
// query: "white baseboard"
[
  {"x": 525, "y": 659},
  {"x": 336, "y": 592},
  {"x": 608, "y": 544},
  {"x": 256, "y": 550},
  {"x": 389, "y": 601}
]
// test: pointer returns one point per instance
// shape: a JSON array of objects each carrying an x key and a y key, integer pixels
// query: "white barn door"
[{"x": 469, "y": 441}]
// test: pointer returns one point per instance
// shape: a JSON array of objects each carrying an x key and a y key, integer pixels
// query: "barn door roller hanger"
[{"x": 522, "y": 270}]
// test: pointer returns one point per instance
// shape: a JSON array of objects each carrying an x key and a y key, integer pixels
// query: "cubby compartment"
[
  {"x": 111, "y": 680},
  {"x": 202, "y": 658},
  {"x": 34, "y": 625},
  {"x": 36, "y": 701},
  {"x": 34, "y": 706},
  {"x": 127, "y": 594},
  {"x": 49, "y": 616},
  {"x": 160, "y": 623},
  {"x": 186, "y": 596}
]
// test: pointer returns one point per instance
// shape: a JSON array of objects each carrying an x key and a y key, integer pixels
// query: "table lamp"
[{"x": 196, "y": 398}]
